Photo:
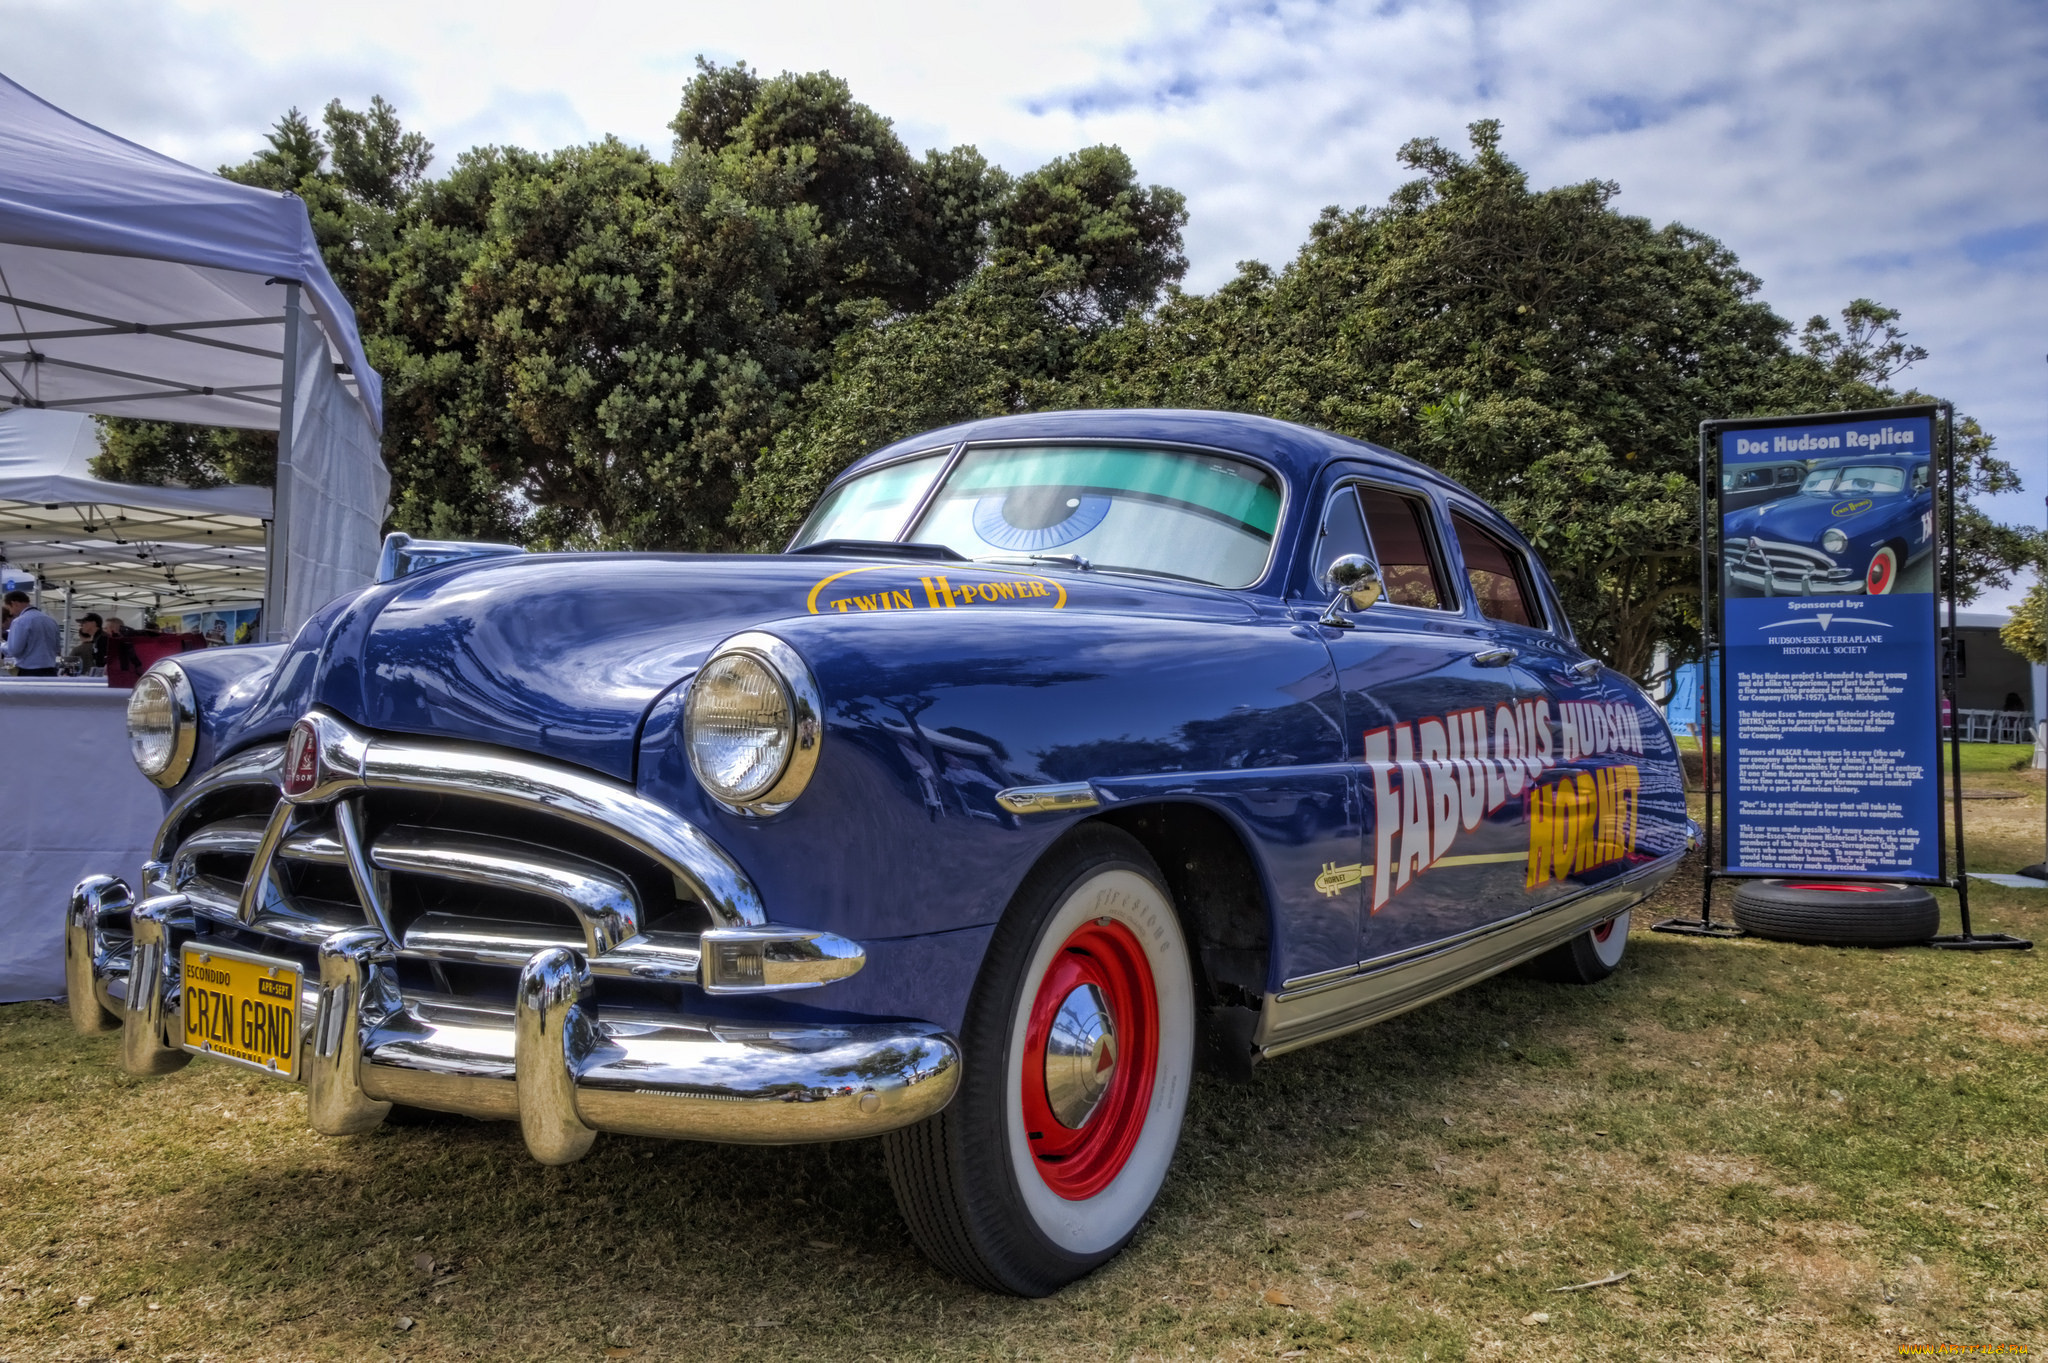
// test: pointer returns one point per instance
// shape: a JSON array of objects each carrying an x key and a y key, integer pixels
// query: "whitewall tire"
[{"x": 1079, "y": 1051}]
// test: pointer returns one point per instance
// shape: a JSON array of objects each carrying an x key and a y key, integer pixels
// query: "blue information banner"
[{"x": 1831, "y": 727}]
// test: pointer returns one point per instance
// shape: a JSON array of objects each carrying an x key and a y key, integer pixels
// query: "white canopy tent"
[
  {"x": 113, "y": 547},
  {"x": 135, "y": 285}
]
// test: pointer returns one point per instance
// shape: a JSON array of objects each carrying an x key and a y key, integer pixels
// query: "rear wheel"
[
  {"x": 1883, "y": 572},
  {"x": 1079, "y": 1049},
  {"x": 1588, "y": 958}
]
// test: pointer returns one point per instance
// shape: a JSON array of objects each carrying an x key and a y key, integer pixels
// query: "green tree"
[
  {"x": 593, "y": 347},
  {"x": 1122, "y": 239},
  {"x": 1552, "y": 353},
  {"x": 1081, "y": 245},
  {"x": 998, "y": 344},
  {"x": 2026, "y": 633}
]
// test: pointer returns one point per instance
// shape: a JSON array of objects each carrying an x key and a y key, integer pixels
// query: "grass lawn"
[{"x": 1796, "y": 1153}]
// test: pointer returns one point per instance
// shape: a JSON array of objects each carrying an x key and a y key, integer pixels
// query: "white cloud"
[{"x": 1844, "y": 148}]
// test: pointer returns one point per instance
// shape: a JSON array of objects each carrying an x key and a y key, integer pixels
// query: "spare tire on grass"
[{"x": 1862, "y": 914}]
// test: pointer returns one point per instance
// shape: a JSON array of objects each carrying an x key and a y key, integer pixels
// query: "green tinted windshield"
[{"x": 1176, "y": 513}]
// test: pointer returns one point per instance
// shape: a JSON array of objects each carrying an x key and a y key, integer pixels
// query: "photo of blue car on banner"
[{"x": 1831, "y": 674}]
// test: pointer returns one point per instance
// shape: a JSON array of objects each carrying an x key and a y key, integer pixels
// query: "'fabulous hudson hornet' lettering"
[
  {"x": 1439, "y": 777},
  {"x": 950, "y": 590},
  {"x": 1582, "y": 820}
]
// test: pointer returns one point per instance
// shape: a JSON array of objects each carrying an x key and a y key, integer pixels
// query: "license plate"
[{"x": 244, "y": 1008}]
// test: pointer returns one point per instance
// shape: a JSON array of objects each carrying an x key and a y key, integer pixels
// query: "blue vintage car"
[
  {"x": 1854, "y": 526},
  {"x": 1059, "y": 757}
]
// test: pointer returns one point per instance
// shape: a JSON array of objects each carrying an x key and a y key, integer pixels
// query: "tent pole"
[{"x": 281, "y": 496}]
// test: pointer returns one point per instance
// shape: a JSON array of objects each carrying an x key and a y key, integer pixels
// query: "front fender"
[{"x": 929, "y": 716}]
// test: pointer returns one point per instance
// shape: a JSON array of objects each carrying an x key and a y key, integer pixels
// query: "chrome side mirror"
[{"x": 1354, "y": 581}]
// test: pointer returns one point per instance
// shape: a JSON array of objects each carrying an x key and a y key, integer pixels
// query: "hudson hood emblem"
[{"x": 301, "y": 759}]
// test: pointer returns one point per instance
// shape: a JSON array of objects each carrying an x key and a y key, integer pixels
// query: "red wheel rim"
[
  {"x": 1079, "y": 1162},
  {"x": 1604, "y": 931},
  {"x": 1878, "y": 580}
]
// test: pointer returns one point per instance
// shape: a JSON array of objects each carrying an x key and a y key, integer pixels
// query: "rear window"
[{"x": 1498, "y": 574}]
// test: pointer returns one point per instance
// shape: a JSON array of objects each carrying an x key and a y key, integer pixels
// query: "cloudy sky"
[{"x": 1893, "y": 149}]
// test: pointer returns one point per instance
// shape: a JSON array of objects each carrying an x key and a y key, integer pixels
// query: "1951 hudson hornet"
[
  {"x": 1059, "y": 757},
  {"x": 1854, "y": 526}
]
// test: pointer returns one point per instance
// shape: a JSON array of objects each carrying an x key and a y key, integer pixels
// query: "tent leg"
[{"x": 278, "y": 566}]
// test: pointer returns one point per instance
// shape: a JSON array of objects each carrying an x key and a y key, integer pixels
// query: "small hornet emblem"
[{"x": 301, "y": 759}]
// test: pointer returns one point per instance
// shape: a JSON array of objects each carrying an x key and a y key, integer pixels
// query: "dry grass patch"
[{"x": 1795, "y": 1152}]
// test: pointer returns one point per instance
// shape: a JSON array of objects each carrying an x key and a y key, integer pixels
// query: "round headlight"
[
  {"x": 751, "y": 724},
  {"x": 163, "y": 724},
  {"x": 1834, "y": 541}
]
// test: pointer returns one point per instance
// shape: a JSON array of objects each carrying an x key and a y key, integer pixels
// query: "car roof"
[{"x": 1298, "y": 452}]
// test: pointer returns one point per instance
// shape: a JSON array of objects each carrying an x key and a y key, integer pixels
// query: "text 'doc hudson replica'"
[{"x": 1059, "y": 757}]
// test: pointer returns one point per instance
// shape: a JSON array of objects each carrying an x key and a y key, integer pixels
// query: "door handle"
[
  {"x": 1494, "y": 657},
  {"x": 1587, "y": 670}
]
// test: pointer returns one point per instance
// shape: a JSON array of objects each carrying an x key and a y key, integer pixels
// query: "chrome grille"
[{"x": 436, "y": 887}]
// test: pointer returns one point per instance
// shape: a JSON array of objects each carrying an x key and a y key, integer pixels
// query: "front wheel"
[
  {"x": 1079, "y": 1049},
  {"x": 1883, "y": 572}
]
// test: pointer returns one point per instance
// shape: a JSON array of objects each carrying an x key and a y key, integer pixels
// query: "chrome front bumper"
[{"x": 552, "y": 1061}]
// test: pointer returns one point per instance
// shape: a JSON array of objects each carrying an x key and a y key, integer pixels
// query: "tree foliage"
[{"x": 603, "y": 347}]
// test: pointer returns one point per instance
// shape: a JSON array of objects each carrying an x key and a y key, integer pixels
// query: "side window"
[
  {"x": 1499, "y": 576},
  {"x": 1343, "y": 532},
  {"x": 1404, "y": 550}
]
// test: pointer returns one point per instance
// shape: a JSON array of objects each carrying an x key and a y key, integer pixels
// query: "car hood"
[
  {"x": 1803, "y": 517},
  {"x": 561, "y": 655}
]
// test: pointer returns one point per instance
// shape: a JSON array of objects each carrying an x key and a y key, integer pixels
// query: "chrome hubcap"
[{"x": 1080, "y": 1056}]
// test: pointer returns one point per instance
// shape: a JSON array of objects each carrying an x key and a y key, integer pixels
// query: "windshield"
[
  {"x": 1203, "y": 517},
  {"x": 1856, "y": 478},
  {"x": 873, "y": 507}
]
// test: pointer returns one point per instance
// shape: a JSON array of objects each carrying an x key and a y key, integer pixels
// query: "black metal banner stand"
[
  {"x": 1711, "y": 640},
  {"x": 1966, "y": 940},
  {"x": 1704, "y": 925}
]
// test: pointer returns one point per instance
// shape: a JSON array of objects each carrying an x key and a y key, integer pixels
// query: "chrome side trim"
[
  {"x": 1048, "y": 799},
  {"x": 1393, "y": 984}
]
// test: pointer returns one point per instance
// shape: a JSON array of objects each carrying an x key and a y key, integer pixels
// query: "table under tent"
[{"x": 134, "y": 285}]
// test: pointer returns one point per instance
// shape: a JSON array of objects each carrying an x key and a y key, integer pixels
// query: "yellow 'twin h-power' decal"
[
  {"x": 950, "y": 590},
  {"x": 1582, "y": 820}
]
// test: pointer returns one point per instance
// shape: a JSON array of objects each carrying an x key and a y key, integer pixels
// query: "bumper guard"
[{"x": 554, "y": 1062}]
